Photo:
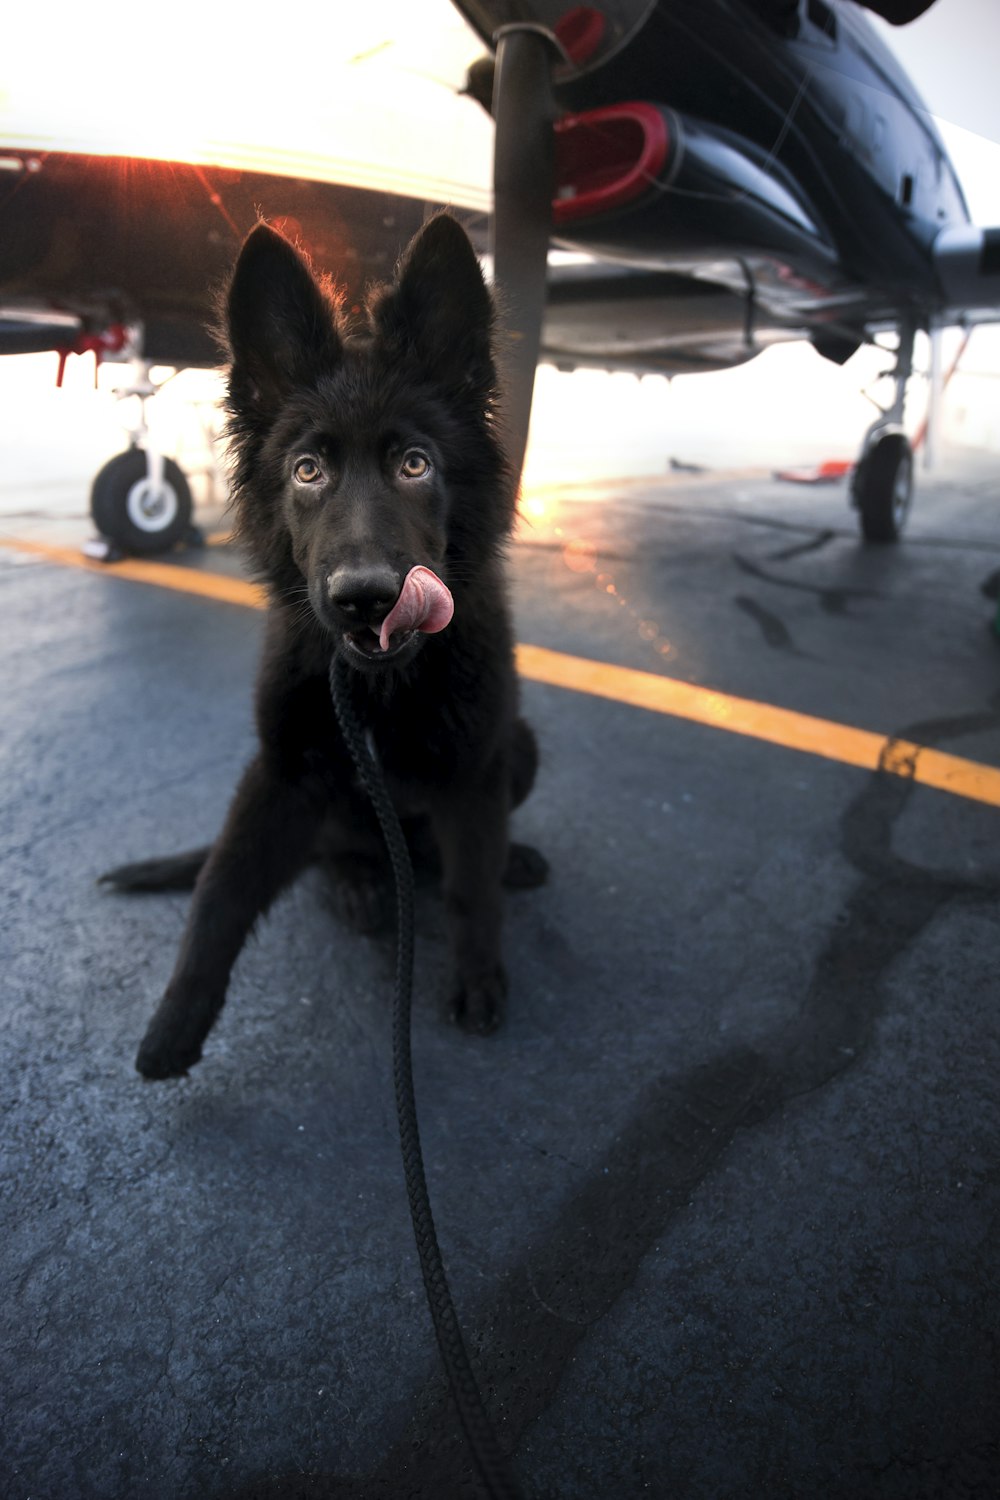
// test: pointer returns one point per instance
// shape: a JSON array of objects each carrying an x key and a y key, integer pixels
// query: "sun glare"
[{"x": 374, "y": 98}]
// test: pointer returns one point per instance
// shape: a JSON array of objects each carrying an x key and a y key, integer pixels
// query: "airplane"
[{"x": 718, "y": 175}]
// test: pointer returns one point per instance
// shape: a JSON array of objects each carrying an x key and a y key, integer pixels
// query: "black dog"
[{"x": 371, "y": 491}]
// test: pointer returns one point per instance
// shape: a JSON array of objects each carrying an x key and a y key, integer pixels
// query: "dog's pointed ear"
[
  {"x": 439, "y": 308},
  {"x": 280, "y": 323}
]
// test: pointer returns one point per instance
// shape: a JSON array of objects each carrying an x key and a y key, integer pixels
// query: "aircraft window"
[{"x": 906, "y": 190}]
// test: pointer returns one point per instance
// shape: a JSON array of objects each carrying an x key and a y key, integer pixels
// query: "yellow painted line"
[
  {"x": 763, "y": 721},
  {"x": 163, "y": 575},
  {"x": 663, "y": 695}
]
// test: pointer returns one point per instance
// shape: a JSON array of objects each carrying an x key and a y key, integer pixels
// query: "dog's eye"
[
  {"x": 307, "y": 471},
  {"x": 415, "y": 464}
]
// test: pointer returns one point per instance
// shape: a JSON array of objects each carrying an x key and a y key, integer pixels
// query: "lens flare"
[{"x": 580, "y": 556}]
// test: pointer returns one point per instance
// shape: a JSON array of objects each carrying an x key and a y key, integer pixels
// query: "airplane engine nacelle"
[
  {"x": 647, "y": 186},
  {"x": 967, "y": 261}
]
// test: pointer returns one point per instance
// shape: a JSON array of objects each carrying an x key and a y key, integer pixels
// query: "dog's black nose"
[{"x": 364, "y": 596}]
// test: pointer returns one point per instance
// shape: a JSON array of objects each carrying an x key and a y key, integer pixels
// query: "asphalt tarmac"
[{"x": 719, "y": 1203}]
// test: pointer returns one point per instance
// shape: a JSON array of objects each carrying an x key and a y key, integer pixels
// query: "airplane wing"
[
  {"x": 91, "y": 243},
  {"x": 126, "y": 190}
]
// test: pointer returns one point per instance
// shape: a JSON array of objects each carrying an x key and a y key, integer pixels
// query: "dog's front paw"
[
  {"x": 478, "y": 1003},
  {"x": 155, "y": 1060},
  {"x": 174, "y": 1038},
  {"x": 159, "y": 1057}
]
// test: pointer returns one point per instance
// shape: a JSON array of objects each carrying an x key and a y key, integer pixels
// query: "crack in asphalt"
[
  {"x": 775, "y": 632},
  {"x": 814, "y": 544},
  {"x": 833, "y": 601}
]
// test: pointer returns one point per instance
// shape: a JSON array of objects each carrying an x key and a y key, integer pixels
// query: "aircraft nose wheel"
[
  {"x": 883, "y": 487},
  {"x": 141, "y": 515}
]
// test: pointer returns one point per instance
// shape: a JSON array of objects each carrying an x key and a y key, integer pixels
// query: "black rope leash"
[{"x": 489, "y": 1458}]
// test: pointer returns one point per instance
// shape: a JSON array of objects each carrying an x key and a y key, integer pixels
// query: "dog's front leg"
[
  {"x": 471, "y": 830},
  {"x": 267, "y": 838}
]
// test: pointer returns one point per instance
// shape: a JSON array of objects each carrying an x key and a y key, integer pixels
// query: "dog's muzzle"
[{"x": 380, "y": 629}]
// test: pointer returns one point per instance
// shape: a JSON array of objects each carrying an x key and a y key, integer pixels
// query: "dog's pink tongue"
[{"x": 424, "y": 603}]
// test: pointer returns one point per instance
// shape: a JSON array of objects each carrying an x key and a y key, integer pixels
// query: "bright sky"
[
  {"x": 374, "y": 93},
  {"x": 951, "y": 54}
]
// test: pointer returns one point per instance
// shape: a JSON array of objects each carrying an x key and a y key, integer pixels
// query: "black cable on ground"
[{"x": 489, "y": 1458}]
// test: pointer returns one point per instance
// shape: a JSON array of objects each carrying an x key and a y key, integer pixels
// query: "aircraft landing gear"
[
  {"x": 882, "y": 487},
  {"x": 143, "y": 511},
  {"x": 140, "y": 500}
]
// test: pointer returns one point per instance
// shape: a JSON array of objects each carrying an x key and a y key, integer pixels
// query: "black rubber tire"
[
  {"x": 114, "y": 505},
  {"x": 883, "y": 487}
]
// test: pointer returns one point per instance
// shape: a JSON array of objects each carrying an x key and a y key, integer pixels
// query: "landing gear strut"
[
  {"x": 882, "y": 487},
  {"x": 523, "y": 185}
]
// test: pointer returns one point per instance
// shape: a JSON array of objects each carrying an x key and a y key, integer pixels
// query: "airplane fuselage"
[{"x": 804, "y": 175}]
